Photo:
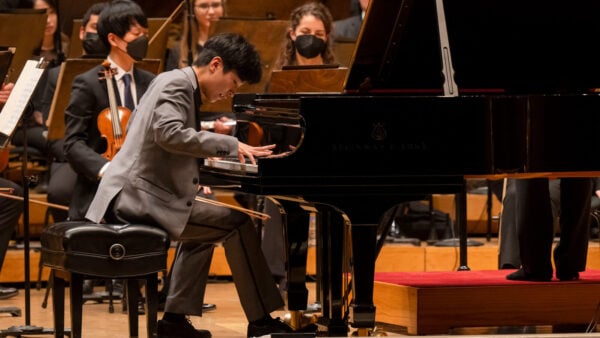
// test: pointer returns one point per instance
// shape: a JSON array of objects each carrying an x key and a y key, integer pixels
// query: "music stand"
[
  {"x": 11, "y": 114},
  {"x": 308, "y": 79}
]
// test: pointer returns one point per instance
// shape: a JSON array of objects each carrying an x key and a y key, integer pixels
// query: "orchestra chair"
[{"x": 84, "y": 250}]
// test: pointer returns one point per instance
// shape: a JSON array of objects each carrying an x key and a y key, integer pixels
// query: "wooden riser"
[{"x": 436, "y": 310}]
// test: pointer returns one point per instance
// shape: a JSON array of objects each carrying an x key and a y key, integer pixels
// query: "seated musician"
[
  {"x": 10, "y": 209},
  {"x": 307, "y": 42},
  {"x": 53, "y": 46}
]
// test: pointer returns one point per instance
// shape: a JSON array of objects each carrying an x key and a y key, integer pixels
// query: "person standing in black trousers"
[{"x": 535, "y": 228}]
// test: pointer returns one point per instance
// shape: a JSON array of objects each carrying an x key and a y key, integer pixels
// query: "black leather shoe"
[
  {"x": 265, "y": 327},
  {"x": 6, "y": 292},
  {"x": 183, "y": 329},
  {"x": 567, "y": 276},
  {"x": 208, "y": 307},
  {"x": 526, "y": 276},
  {"x": 563, "y": 273}
]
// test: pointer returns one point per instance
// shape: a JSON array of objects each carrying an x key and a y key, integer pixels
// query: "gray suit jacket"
[{"x": 155, "y": 174}]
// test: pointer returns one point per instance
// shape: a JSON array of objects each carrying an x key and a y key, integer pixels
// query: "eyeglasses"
[{"x": 205, "y": 6}]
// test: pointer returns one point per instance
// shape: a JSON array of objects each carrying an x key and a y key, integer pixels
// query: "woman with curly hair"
[{"x": 308, "y": 42}]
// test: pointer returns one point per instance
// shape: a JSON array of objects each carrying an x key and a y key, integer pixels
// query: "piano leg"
[
  {"x": 333, "y": 250},
  {"x": 364, "y": 254},
  {"x": 296, "y": 221}
]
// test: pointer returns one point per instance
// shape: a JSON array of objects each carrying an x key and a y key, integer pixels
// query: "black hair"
[
  {"x": 95, "y": 9},
  {"x": 237, "y": 54},
  {"x": 118, "y": 17}
]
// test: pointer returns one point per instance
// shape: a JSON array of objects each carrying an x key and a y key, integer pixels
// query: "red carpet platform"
[{"x": 435, "y": 302}]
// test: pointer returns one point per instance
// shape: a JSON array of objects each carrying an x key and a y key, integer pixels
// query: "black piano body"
[{"x": 525, "y": 71}]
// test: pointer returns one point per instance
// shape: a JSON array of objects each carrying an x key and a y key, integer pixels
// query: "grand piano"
[{"x": 437, "y": 91}]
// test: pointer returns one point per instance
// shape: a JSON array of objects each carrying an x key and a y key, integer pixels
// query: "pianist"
[{"x": 154, "y": 180}]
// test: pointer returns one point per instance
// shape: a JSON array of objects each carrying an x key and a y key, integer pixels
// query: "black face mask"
[
  {"x": 92, "y": 45},
  {"x": 137, "y": 48},
  {"x": 309, "y": 45}
]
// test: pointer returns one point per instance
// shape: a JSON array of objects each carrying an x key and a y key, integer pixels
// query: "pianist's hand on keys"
[{"x": 245, "y": 150}]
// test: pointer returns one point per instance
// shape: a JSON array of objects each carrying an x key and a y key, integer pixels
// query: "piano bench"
[{"x": 83, "y": 250}]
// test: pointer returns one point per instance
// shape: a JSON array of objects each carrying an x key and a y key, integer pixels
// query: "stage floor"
[{"x": 227, "y": 321}]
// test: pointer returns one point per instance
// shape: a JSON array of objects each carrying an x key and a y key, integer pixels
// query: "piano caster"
[{"x": 300, "y": 321}]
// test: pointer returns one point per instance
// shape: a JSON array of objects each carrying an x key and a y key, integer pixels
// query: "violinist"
[{"x": 123, "y": 28}]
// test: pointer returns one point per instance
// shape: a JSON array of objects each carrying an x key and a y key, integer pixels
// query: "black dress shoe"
[
  {"x": 183, "y": 329},
  {"x": 268, "y": 326},
  {"x": 208, "y": 307},
  {"x": 564, "y": 276},
  {"x": 526, "y": 276},
  {"x": 563, "y": 273},
  {"x": 6, "y": 292}
]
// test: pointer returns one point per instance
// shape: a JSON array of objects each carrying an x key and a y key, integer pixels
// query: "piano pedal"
[
  {"x": 301, "y": 321},
  {"x": 368, "y": 332}
]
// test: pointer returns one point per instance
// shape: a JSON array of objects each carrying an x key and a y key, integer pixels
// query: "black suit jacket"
[{"x": 83, "y": 143}]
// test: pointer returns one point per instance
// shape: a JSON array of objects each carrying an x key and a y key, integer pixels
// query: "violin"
[{"x": 112, "y": 121}]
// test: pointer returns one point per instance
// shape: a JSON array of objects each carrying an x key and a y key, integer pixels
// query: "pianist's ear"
[{"x": 215, "y": 63}]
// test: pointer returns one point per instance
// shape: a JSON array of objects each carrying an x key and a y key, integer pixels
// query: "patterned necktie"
[{"x": 127, "y": 94}]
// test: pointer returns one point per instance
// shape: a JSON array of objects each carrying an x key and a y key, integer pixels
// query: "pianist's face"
[{"x": 218, "y": 85}]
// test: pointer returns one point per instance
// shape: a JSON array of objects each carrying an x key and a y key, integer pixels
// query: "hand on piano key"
[{"x": 245, "y": 150}]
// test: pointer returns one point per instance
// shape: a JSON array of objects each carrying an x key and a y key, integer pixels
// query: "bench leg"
[
  {"x": 58, "y": 304},
  {"x": 76, "y": 304},
  {"x": 152, "y": 305},
  {"x": 132, "y": 295}
]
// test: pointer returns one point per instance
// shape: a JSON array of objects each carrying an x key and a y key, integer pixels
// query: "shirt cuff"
[
  {"x": 207, "y": 125},
  {"x": 103, "y": 170}
]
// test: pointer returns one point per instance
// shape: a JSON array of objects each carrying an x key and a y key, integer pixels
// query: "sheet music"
[{"x": 18, "y": 99}]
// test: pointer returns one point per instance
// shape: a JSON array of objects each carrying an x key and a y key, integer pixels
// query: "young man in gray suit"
[{"x": 154, "y": 180}]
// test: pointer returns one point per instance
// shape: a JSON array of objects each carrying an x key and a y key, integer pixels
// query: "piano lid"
[{"x": 515, "y": 46}]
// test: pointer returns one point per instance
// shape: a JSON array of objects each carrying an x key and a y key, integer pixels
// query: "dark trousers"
[{"x": 535, "y": 226}]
